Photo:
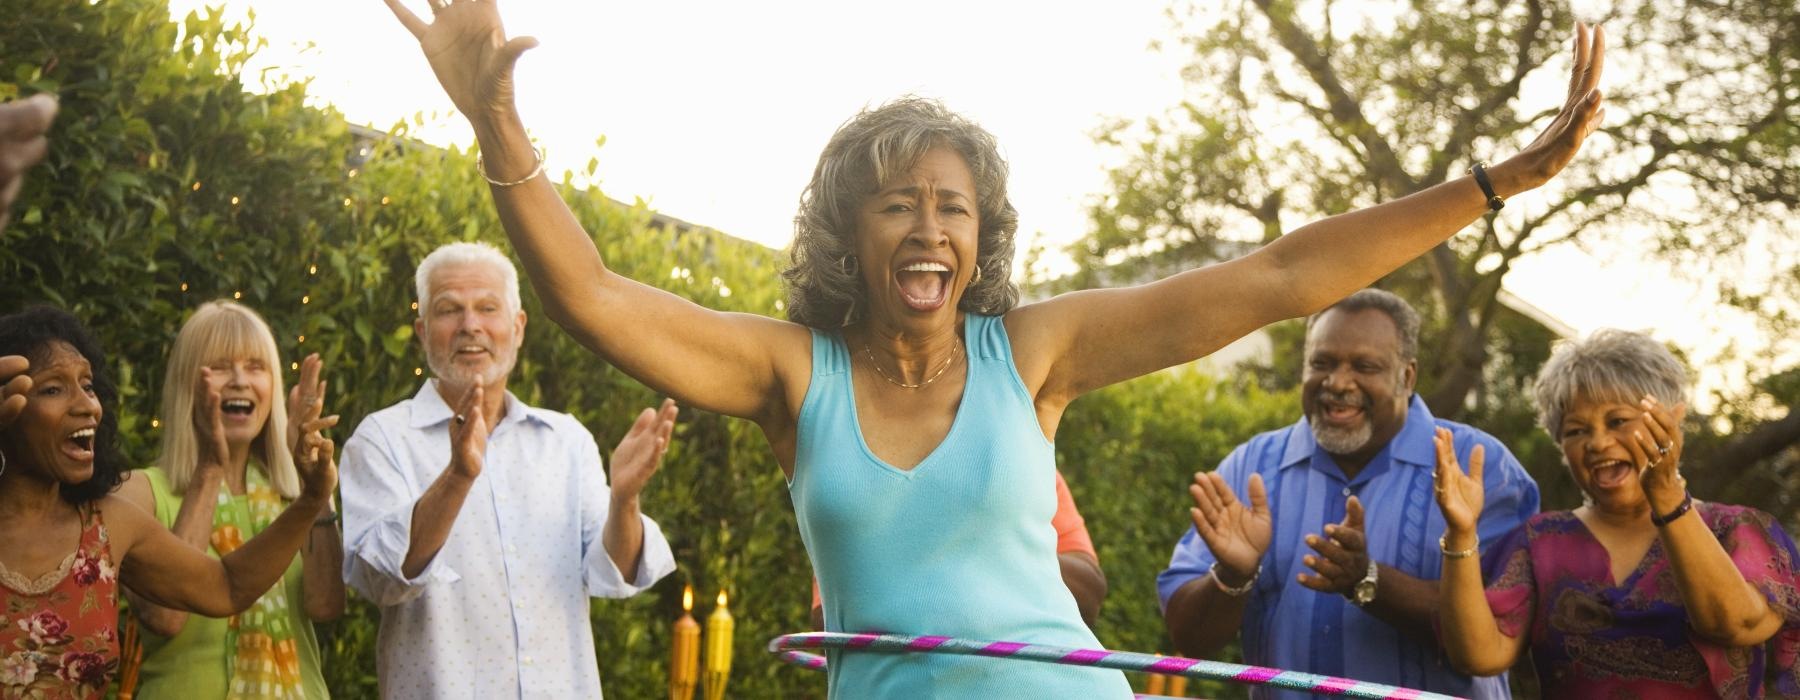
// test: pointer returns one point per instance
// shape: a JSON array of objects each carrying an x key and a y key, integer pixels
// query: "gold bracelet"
[
  {"x": 1463, "y": 554},
  {"x": 539, "y": 170}
]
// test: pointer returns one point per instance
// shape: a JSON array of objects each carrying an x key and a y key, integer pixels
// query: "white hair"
[{"x": 467, "y": 253}]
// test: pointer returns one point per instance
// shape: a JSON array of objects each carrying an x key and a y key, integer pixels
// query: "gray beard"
[{"x": 1339, "y": 441}]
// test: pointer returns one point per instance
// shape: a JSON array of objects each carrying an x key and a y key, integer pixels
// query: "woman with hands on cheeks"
[
  {"x": 912, "y": 407},
  {"x": 231, "y": 456},
  {"x": 1641, "y": 592},
  {"x": 67, "y": 543}
]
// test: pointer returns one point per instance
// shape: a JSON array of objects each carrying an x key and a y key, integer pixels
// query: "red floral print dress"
[{"x": 59, "y": 634}]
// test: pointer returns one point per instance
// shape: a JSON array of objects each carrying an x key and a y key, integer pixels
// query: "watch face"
[{"x": 1365, "y": 592}]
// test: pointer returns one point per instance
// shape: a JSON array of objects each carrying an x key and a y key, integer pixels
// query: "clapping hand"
[
  {"x": 469, "y": 434},
  {"x": 314, "y": 454},
  {"x": 640, "y": 452},
  {"x": 209, "y": 422},
  {"x": 1459, "y": 496},
  {"x": 469, "y": 52},
  {"x": 1236, "y": 535},
  {"x": 14, "y": 383},
  {"x": 1340, "y": 559},
  {"x": 1656, "y": 449}
]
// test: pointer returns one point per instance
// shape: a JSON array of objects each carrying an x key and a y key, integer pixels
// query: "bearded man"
[
  {"x": 481, "y": 525},
  {"x": 1319, "y": 543}
]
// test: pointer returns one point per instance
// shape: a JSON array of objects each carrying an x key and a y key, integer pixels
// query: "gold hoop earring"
[{"x": 975, "y": 279}]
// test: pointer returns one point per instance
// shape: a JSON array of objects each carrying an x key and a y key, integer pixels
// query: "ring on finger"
[
  {"x": 461, "y": 419},
  {"x": 1662, "y": 449}
]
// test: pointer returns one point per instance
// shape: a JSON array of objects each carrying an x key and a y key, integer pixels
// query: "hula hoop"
[{"x": 787, "y": 645}]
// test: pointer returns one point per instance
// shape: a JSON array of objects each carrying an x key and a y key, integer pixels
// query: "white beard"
[{"x": 1339, "y": 441}]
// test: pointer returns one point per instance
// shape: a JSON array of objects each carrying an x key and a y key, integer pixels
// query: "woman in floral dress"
[{"x": 1644, "y": 591}]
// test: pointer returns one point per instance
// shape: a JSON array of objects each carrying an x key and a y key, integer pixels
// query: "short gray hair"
[
  {"x": 1406, "y": 320},
  {"x": 467, "y": 253},
  {"x": 873, "y": 147},
  {"x": 1611, "y": 364}
]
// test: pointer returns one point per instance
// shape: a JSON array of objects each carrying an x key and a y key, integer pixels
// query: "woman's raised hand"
[
  {"x": 209, "y": 422},
  {"x": 469, "y": 52},
  {"x": 1581, "y": 112},
  {"x": 1460, "y": 496},
  {"x": 14, "y": 383},
  {"x": 314, "y": 454}
]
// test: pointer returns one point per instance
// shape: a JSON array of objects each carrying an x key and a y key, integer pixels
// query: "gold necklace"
[{"x": 904, "y": 385}]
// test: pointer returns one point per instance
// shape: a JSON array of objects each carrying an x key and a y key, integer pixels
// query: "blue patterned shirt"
[{"x": 1289, "y": 626}]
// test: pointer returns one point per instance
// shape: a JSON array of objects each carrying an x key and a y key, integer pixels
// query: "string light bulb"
[
  {"x": 384, "y": 201},
  {"x": 184, "y": 286},
  {"x": 306, "y": 299},
  {"x": 295, "y": 367},
  {"x": 234, "y": 200},
  {"x": 237, "y": 295},
  {"x": 346, "y": 201},
  {"x": 196, "y": 185},
  {"x": 312, "y": 269},
  {"x": 418, "y": 371},
  {"x": 154, "y": 423}
]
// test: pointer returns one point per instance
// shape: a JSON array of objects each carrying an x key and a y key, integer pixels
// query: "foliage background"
[{"x": 174, "y": 178}]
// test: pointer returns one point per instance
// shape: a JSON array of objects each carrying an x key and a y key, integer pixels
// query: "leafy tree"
[{"x": 1302, "y": 109}]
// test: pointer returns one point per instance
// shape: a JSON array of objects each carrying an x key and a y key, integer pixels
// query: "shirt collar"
[
  {"x": 429, "y": 409},
  {"x": 1413, "y": 444}
]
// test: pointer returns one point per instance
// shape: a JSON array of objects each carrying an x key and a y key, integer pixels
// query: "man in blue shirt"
[{"x": 1318, "y": 542}]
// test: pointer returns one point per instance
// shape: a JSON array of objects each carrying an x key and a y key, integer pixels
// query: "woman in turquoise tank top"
[{"x": 910, "y": 404}]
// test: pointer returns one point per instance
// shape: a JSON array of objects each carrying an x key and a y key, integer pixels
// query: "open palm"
[
  {"x": 1460, "y": 496},
  {"x": 468, "y": 50},
  {"x": 1237, "y": 534}
]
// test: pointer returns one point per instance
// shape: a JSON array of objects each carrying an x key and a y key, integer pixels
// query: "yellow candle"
[
  {"x": 1157, "y": 683},
  {"x": 1178, "y": 686},
  {"x": 684, "y": 660},
  {"x": 718, "y": 651}
]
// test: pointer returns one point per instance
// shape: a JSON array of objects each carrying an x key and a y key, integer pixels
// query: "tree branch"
[{"x": 1346, "y": 109}]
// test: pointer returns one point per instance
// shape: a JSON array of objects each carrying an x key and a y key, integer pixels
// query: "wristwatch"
[{"x": 1364, "y": 592}]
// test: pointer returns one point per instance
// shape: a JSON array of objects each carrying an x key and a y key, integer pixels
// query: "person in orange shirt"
[{"x": 1074, "y": 551}]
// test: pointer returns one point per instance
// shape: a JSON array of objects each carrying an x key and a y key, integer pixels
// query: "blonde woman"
[{"x": 225, "y": 471}]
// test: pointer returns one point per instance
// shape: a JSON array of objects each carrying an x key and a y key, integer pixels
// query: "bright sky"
[{"x": 715, "y": 112}]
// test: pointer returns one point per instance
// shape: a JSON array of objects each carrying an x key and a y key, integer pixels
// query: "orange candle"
[
  {"x": 718, "y": 651},
  {"x": 1178, "y": 686},
  {"x": 684, "y": 660}
]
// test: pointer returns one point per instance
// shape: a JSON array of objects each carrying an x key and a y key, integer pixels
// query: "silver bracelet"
[
  {"x": 1443, "y": 547},
  {"x": 539, "y": 170},
  {"x": 1239, "y": 590}
]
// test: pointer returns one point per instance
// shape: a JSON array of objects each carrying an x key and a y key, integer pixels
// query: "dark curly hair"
[
  {"x": 34, "y": 334},
  {"x": 873, "y": 147}
]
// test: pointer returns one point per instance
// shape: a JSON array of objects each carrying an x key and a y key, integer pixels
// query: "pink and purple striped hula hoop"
[{"x": 788, "y": 648}]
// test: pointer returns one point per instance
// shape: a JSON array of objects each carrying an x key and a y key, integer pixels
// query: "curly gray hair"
[
  {"x": 874, "y": 147},
  {"x": 1611, "y": 364}
]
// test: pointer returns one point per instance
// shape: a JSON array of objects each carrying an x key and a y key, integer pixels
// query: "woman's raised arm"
[
  {"x": 724, "y": 362},
  {"x": 1191, "y": 314}
]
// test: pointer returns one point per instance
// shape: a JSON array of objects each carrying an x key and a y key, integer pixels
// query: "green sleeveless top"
[{"x": 192, "y": 664}]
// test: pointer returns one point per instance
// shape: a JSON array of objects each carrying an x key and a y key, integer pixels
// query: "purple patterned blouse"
[{"x": 1592, "y": 638}]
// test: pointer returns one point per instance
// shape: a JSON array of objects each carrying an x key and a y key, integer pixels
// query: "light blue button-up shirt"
[
  {"x": 1289, "y": 626},
  {"x": 502, "y": 610}
]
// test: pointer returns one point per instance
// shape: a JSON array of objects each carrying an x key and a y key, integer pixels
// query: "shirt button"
[
  {"x": 511, "y": 549},
  {"x": 527, "y": 660},
  {"x": 1346, "y": 492},
  {"x": 518, "y": 604}
]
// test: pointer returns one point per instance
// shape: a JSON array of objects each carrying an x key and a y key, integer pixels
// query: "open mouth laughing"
[{"x": 924, "y": 285}]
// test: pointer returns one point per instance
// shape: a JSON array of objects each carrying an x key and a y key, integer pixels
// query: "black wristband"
[
  {"x": 1687, "y": 504},
  {"x": 1479, "y": 170}
]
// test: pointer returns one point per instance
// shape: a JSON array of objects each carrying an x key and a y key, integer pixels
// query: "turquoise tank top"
[{"x": 961, "y": 545}]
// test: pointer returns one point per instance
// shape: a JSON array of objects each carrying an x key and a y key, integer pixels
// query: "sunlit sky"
[{"x": 715, "y": 112}]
